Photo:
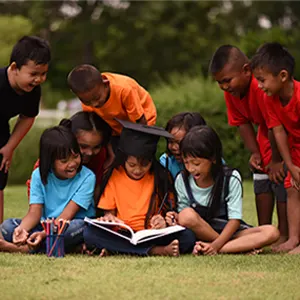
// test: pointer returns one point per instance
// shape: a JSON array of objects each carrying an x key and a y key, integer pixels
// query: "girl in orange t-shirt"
[{"x": 138, "y": 191}]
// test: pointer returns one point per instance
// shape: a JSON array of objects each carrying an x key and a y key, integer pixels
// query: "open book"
[{"x": 127, "y": 233}]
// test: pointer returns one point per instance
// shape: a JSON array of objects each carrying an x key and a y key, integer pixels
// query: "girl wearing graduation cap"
[{"x": 138, "y": 191}]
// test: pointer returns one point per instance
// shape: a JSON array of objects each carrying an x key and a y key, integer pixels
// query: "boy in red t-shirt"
[
  {"x": 273, "y": 67},
  {"x": 230, "y": 68}
]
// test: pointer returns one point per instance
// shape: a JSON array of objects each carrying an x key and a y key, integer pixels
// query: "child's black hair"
[
  {"x": 57, "y": 142},
  {"x": 84, "y": 78},
  {"x": 89, "y": 121},
  {"x": 273, "y": 57},
  {"x": 30, "y": 48},
  {"x": 204, "y": 142},
  {"x": 224, "y": 55},
  {"x": 185, "y": 120},
  {"x": 159, "y": 180}
]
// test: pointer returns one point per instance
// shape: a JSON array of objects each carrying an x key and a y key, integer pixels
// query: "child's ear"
[
  {"x": 284, "y": 75},
  {"x": 246, "y": 69},
  {"x": 13, "y": 66}
]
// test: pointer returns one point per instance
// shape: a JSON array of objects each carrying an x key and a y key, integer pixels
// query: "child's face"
[
  {"x": 269, "y": 83},
  {"x": 67, "y": 168},
  {"x": 29, "y": 76},
  {"x": 234, "y": 80},
  {"x": 97, "y": 96},
  {"x": 173, "y": 144},
  {"x": 199, "y": 168},
  {"x": 90, "y": 144},
  {"x": 136, "y": 169}
]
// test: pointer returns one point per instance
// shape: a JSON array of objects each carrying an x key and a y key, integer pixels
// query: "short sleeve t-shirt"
[
  {"x": 288, "y": 115},
  {"x": 13, "y": 104},
  {"x": 130, "y": 198},
  {"x": 251, "y": 108},
  {"x": 173, "y": 165},
  {"x": 127, "y": 101},
  {"x": 57, "y": 193},
  {"x": 202, "y": 195}
]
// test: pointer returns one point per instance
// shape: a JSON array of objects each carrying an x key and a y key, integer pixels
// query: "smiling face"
[
  {"x": 199, "y": 168},
  {"x": 89, "y": 143},
  {"x": 234, "y": 80},
  {"x": 173, "y": 144},
  {"x": 269, "y": 83},
  {"x": 97, "y": 96},
  {"x": 28, "y": 76},
  {"x": 67, "y": 168},
  {"x": 136, "y": 169}
]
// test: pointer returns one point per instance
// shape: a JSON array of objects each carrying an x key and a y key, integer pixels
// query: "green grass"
[{"x": 265, "y": 276}]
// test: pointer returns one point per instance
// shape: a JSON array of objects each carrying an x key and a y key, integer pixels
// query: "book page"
[{"x": 149, "y": 234}]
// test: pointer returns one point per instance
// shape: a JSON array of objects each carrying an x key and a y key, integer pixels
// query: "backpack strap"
[{"x": 188, "y": 188}]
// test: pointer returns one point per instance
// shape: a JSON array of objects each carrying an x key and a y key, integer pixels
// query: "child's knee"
[
  {"x": 7, "y": 228},
  {"x": 187, "y": 217},
  {"x": 271, "y": 232}
]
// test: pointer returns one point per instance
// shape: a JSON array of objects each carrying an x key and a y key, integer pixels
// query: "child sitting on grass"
[
  {"x": 210, "y": 199},
  {"x": 135, "y": 190},
  {"x": 61, "y": 188}
]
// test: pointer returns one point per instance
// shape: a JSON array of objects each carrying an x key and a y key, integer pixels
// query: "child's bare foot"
[
  {"x": 286, "y": 247},
  {"x": 295, "y": 250},
  {"x": 103, "y": 253},
  {"x": 255, "y": 251},
  {"x": 10, "y": 247},
  {"x": 197, "y": 249},
  {"x": 282, "y": 239},
  {"x": 170, "y": 250}
]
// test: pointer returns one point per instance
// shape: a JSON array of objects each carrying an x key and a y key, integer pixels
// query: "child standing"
[
  {"x": 133, "y": 193},
  {"x": 244, "y": 100},
  {"x": 61, "y": 188},
  {"x": 204, "y": 205},
  {"x": 20, "y": 94},
  {"x": 273, "y": 67},
  {"x": 112, "y": 96},
  {"x": 178, "y": 126}
]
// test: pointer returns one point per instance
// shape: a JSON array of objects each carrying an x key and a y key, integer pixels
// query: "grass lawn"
[{"x": 265, "y": 276}]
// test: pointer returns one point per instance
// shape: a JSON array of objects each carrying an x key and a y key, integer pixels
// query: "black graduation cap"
[{"x": 139, "y": 139}]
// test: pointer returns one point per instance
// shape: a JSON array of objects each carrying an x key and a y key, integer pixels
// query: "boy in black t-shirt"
[{"x": 20, "y": 94}]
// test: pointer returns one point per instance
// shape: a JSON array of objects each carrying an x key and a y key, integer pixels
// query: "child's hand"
[
  {"x": 157, "y": 222},
  {"x": 295, "y": 180},
  {"x": 35, "y": 239},
  {"x": 20, "y": 236},
  {"x": 172, "y": 218},
  {"x": 255, "y": 162},
  {"x": 207, "y": 248},
  {"x": 276, "y": 171},
  {"x": 7, "y": 154},
  {"x": 110, "y": 218}
]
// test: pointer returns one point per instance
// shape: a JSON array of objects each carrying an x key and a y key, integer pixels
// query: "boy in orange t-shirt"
[
  {"x": 112, "y": 96},
  {"x": 273, "y": 67},
  {"x": 244, "y": 100}
]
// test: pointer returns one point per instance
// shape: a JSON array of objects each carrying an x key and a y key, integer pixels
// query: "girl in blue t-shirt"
[
  {"x": 178, "y": 126},
  {"x": 61, "y": 188},
  {"x": 210, "y": 199}
]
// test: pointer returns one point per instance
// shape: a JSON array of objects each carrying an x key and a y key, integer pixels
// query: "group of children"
[{"x": 102, "y": 161}]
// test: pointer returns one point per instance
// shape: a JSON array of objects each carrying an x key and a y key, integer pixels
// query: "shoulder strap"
[{"x": 188, "y": 187}]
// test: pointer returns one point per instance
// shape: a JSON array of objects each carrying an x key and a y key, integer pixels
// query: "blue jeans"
[
  {"x": 73, "y": 236},
  {"x": 95, "y": 237}
]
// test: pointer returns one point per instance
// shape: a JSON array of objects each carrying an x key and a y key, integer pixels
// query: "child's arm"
[
  {"x": 110, "y": 216},
  {"x": 69, "y": 211},
  {"x": 283, "y": 146},
  {"x": 22, "y": 126},
  {"x": 275, "y": 168},
  {"x": 157, "y": 222},
  {"x": 248, "y": 136}
]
